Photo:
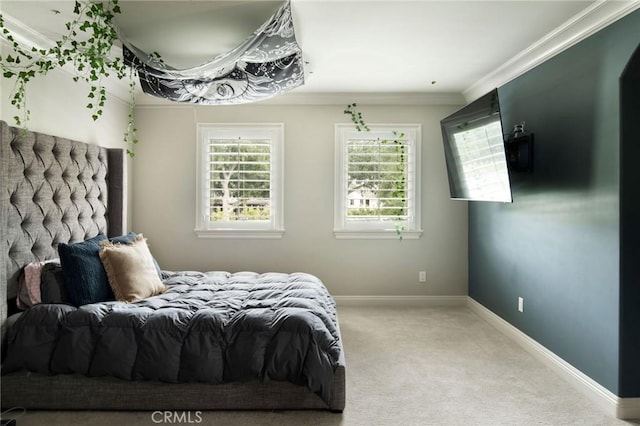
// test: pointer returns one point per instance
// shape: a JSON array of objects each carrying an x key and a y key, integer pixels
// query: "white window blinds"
[
  {"x": 377, "y": 182},
  {"x": 240, "y": 180},
  {"x": 377, "y": 179}
]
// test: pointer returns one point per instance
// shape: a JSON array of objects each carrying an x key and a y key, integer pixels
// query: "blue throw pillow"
[
  {"x": 123, "y": 239},
  {"x": 84, "y": 276}
]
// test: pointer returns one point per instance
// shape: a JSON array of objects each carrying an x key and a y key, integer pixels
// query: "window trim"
[
  {"x": 375, "y": 230},
  {"x": 273, "y": 228}
]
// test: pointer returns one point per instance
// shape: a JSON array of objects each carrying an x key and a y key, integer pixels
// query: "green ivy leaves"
[
  {"x": 401, "y": 149},
  {"x": 87, "y": 45},
  {"x": 356, "y": 117}
]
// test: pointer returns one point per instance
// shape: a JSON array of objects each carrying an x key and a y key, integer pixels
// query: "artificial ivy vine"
[
  {"x": 361, "y": 126},
  {"x": 356, "y": 117},
  {"x": 86, "y": 45}
]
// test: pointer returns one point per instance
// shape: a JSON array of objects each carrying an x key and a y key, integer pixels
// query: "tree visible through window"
[
  {"x": 240, "y": 179},
  {"x": 240, "y": 186}
]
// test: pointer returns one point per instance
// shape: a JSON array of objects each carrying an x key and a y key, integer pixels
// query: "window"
[
  {"x": 377, "y": 188},
  {"x": 240, "y": 180}
]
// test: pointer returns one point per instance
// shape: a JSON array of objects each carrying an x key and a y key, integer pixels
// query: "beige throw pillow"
[{"x": 130, "y": 270}]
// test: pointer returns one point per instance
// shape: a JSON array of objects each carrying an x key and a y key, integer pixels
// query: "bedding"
[
  {"x": 214, "y": 327},
  {"x": 57, "y": 190}
]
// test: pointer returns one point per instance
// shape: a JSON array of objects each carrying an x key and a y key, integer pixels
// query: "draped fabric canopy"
[{"x": 266, "y": 64}]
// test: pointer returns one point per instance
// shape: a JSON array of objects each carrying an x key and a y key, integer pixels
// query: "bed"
[{"x": 59, "y": 192}]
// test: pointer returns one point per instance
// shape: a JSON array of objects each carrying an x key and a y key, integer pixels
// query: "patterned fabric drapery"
[{"x": 266, "y": 64}]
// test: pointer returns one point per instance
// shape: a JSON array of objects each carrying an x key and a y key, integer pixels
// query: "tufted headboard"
[{"x": 54, "y": 190}]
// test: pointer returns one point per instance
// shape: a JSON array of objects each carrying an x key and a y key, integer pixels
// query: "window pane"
[
  {"x": 239, "y": 180},
  {"x": 377, "y": 183},
  {"x": 376, "y": 180}
]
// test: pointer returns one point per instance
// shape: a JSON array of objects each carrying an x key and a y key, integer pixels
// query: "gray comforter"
[{"x": 212, "y": 327}]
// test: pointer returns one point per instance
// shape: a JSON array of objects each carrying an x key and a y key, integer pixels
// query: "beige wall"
[
  {"x": 163, "y": 180},
  {"x": 164, "y": 203},
  {"x": 57, "y": 106}
]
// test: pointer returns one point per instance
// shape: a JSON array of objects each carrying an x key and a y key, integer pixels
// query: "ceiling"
[{"x": 362, "y": 46}]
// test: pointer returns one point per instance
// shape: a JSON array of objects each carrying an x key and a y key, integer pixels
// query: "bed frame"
[{"x": 56, "y": 190}]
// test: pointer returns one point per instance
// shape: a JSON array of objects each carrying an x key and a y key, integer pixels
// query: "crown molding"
[
  {"x": 584, "y": 24},
  {"x": 24, "y": 35},
  {"x": 308, "y": 98},
  {"x": 413, "y": 98},
  {"x": 29, "y": 38}
]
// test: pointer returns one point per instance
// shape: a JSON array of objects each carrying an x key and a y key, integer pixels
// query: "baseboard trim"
[
  {"x": 401, "y": 300},
  {"x": 628, "y": 408},
  {"x": 621, "y": 408}
]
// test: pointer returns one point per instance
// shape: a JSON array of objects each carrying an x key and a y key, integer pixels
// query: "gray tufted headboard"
[{"x": 53, "y": 190}]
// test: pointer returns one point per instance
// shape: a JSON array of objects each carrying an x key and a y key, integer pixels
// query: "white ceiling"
[{"x": 419, "y": 47}]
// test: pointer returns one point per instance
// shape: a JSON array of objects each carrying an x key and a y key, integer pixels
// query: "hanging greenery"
[
  {"x": 356, "y": 117},
  {"x": 400, "y": 185},
  {"x": 86, "y": 45}
]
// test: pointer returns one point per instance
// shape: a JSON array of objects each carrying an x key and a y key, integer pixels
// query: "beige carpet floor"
[{"x": 411, "y": 366}]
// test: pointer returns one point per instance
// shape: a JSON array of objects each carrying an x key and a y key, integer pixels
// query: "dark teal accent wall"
[
  {"x": 630, "y": 229},
  {"x": 559, "y": 244}
]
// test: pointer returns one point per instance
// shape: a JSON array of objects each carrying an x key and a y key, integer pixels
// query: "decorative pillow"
[
  {"x": 85, "y": 280},
  {"x": 128, "y": 238},
  {"x": 52, "y": 287},
  {"x": 130, "y": 270},
  {"x": 123, "y": 239},
  {"x": 29, "y": 284}
]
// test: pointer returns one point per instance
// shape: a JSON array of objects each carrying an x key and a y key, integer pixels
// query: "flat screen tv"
[{"x": 474, "y": 150}]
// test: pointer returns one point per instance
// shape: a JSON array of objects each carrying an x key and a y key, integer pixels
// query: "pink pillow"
[{"x": 29, "y": 284}]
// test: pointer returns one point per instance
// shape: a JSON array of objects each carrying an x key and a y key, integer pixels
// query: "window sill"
[
  {"x": 342, "y": 234},
  {"x": 240, "y": 233}
]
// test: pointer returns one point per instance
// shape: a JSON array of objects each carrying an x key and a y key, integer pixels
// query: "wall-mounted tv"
[{"x": 474, "y": 150}]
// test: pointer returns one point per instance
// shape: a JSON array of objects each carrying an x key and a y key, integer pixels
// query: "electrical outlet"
[
  {"x": 422, "y": 276},
  {"x": 520, "y": 304}
]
